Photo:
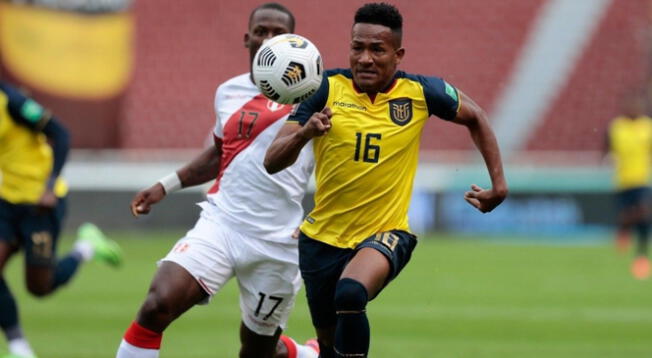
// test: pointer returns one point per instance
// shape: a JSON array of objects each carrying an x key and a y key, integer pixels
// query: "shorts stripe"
[{"x": 204, "y": 286}]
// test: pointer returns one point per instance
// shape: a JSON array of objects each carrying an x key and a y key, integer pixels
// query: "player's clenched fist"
[
  {"x": 143, "y": 201},
  {"x": 485, "y": 200},
  {"x": 318, "y": 124}
]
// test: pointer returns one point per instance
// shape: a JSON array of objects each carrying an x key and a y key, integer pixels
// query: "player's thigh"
[
  {"x": 379, "y": 259},
  {"x": 631, "y": 203},
  {"x": 269, "y": 280},
  {"x": 6, "y": 251},
  {"x": 173, "y": 290},
  {"x": 641, "y": 203},
  {"x": 196, "y": 267},
  {"x": 321, "y": 266},
  {"x": 201, "y": 258},
  {"x": 369, "y": 267},
  {"x": 9, "y": 214},
  {"x": 39, "y": 232}
]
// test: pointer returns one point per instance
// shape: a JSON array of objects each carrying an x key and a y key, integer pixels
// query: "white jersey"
[{"x": 245, "y": 197}]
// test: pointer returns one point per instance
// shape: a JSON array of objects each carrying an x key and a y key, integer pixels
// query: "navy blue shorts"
[
  {"x": 322, "y": 265},
  {"x": 34, "y": 231},
  {"x": 633, "y": 197}
]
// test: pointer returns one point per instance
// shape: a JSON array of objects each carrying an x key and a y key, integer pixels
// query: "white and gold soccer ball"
[{"x": 288, "y": 69}]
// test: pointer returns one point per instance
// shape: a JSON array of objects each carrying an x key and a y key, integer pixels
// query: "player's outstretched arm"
[
  {"x": 289, "y": 141},
  {"x": 475, "y": 119},
  {"x": 199, "y": 171},
  {"x": 59, "y": 140},
  {"x": 203, "y": 168}
]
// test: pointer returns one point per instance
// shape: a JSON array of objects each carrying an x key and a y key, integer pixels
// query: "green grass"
[{"x": 457, "y": 298}]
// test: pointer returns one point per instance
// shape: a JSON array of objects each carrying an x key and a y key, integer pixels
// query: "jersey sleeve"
[
  {"x": 442, "y": 98},
  {"x": 314, "y": 103},
  {"x": 217, "y": 104},
  {"x": 25, "y": 110}
]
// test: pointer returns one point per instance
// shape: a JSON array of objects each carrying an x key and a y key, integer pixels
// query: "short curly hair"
[
  {"x": 273, "y": 6},
  {"x": 381, "y": 14}
]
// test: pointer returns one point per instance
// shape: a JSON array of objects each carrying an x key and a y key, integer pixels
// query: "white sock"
[
  {"x": 306, "y": 352},
  {"x": 20, "y": 347},
  {"x": 85, "y": 249},
  {"x": 303, "y": 351},
  {"x": 127, "y": 350}
]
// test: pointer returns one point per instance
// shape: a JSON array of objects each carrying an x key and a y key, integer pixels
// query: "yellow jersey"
[
  {"x": 631, "y": 145},
  {"x": 365, "y": 164},
  {"x": 25, "y": 155}
]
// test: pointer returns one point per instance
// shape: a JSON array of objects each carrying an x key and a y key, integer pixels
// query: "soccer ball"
[{"x": 288, "y": 69}]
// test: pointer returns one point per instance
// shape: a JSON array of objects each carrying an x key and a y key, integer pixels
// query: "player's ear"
[
  {"x": 399, "y": 55},
  {"x": 246, "y": 40}
]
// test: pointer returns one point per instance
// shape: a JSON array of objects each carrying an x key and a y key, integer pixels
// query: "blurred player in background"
[
  {"x": 629, "y": 141},
  {"x": 33, "y": 150},
  {"x": 365, "y": 122},
  {"x": 246, "y": 225}
]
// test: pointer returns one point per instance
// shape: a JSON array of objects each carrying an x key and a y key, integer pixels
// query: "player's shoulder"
[
  {"x": 426, "y": 80},
  {"x": 342, "y": 72},
  {"x": 433, "y": 86},
  {"x": 239, "y": 86},
  {"x": 647, "y": 123},
  {"x": 5, "y": 87},
  {"x": 11, "y": 92},
  {"x": 442, "y": 99},
  {"x": 616, "y": 122},
  {"x": 4, "y": 97},
  {"x": 242, "y": 81},
  {"x": 335, "y": 79},
  {"x": 2, "y": 87}
]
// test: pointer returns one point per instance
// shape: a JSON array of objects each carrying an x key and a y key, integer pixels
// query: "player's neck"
[{"x": 373, "y": 93}]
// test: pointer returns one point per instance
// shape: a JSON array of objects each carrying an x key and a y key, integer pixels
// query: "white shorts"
[{"x": 267, "y": 272}]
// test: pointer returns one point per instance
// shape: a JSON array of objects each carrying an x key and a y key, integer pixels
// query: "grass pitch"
[{"x": 457, "y": 298}]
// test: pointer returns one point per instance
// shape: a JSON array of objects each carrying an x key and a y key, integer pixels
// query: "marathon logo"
[{"x": 349, "y": 105}]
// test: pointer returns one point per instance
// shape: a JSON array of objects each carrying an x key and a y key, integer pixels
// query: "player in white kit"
[{"x": 246, "y": 224}]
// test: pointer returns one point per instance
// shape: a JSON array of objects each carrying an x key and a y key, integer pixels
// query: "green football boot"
[{"x": 105, "y": 250}]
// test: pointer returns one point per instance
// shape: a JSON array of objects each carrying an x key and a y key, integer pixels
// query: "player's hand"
[
  {"x": 143, "y": 201},
  {"x": 484, "y": 200},
  {"x": 295, "y": 233},
  {"x": 47, "y": 201},
  {"x": 318, "y": 124}
]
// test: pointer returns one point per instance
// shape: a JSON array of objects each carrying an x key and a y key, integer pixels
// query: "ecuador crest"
[{"x": 400, "y": 111}]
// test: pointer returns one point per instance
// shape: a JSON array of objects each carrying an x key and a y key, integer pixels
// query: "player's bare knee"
[
  {"x": 350, "y": 296},
  {"x": 158, "y": 309}
]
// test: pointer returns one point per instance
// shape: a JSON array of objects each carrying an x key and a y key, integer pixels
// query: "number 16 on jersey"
[{"x": 370, "y": 151}]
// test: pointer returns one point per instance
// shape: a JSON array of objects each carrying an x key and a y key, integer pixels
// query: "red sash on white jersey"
[{"x": 244, "y": 196}]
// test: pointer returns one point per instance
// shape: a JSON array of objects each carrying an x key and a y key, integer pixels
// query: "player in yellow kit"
[
  {"x": 365, "y": 123},
  {"x": 630, "y": 143},
  {"x": 33, "y": 149}
]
